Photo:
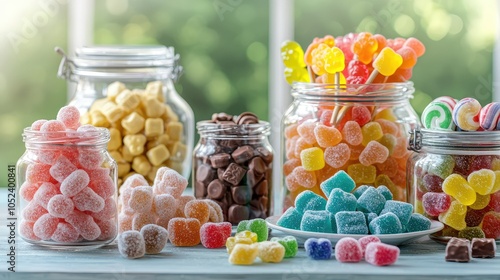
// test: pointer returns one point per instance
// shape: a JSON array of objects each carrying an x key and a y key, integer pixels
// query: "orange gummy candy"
[
  {"x": 327, "y": 136},
  {"x": 197, "y": 209},
  {"x": 184, "y": 232}
]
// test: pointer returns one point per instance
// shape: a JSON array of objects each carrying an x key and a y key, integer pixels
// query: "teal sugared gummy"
[
  {"x": 308, "y": 200},
  {"x": 258, "y": 226},
  {"x": 402, "y": 209},
  {"x": 290, "y": 244},
  {"x": 370, "y": 217},
  {"x": 385, "y": 192},
  {"x": 371, "y": 201},
  {"x": 334, "y": 223},
  {"x": 290, "y": 219},
  {"x": 418, "y": 222},
  {"x": 440, "y": 165},
  {"x": 387, "y": 223},
  {"x": 316, "y": 221},
  {"x": 340, "y": 180},
  {"x": 360, "y": 190},
  {"x": 340, "y": 200},
  {"x": 471, "y": 232},
  {"x": 351, "y": 222}
]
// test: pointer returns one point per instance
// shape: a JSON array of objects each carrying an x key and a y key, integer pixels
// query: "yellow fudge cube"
[
  {"x": 155, "y": 89},
  {"x": 112, "y": 112},
  {"x": 174, "y": 130},
  {"x": 114, "y": 89},
  {"x": 127, "y": 156},
  {"x": 169, "y": 114},
  {"x": 135, "y": 143},
  {"x": 141, "y": 165},
  {"x": 162, "y": 139},
  {"x": 271, "y": 252},
  {"x": 98, "y": 119},
  {"x": 177, "y": 151},
  {"x": 153, "y": 127},
  {"x": 97, "y": 105},
  {"x": 115, "y": 140},
  {"x": 158, "y": 155},
  {"x": 244, "y": 254},
  {"x": 128, "y": 100},
  {"x": 152, "y": 107},
  {"x": 133, "y": 123},
  {"x": 232, "y": 241}
]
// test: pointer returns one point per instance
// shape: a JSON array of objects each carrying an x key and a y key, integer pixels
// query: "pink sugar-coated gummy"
[
  {"x": 75, "y": 182},
  {"x": 181, "y": 204},
  {"x": 86, "y": 128},
  {"x": 305, "y": 178},
  {"x": 435, "y": 203},
  {"x": 142, "y": 219},
  {"x": 108, "y": 212},
  {"x": 47, "y": 156},
  {"x": 109, "y": 229},
  {"x": 306, "y": 131},
  {"x": 338, "y": 155},
  {"x": 71, "y": 153},
  {"x": 53, "y": 129},
  {"x": 90, "y": 159},
  {"x": 141, "y": 199},
  {"x": 62, "y": 168},
  {"x": 104, "y": 188},
  {"x": 381, "y": 254},
  {"x": 88, "y": 200},
  {"x": 136, "y": 180},
  {"x": 365, "y": 240},
  {"x": 69, "y": 116},
  {"x": 26, "y": 230},
  {"x": 300, "y": 145},
  {"x": 351, "y": 132},
  {"x": 165, "y": 206},
  {"x": 36, "y": 125},
  {"x": 155, "y": 237},
  {"x": 65, "y": 233},
  {"x": 373, "y": 153},
  {"x": 214, "y": 235},
  {"x": 84, "y": 224},
  {"x": 98, "y": 174},
  {"x": 33, "y": 211},
  {"x": 44, "y": 193},
  {"x": 171, "y": 183},
  {"x": 60, "y": 206},
  {"x": 291, "y": 182},
  {"x": 361, "y": 115},
  {"x": 38, "y": 172},
  {"x": 45, "y": 226},
  {"x": 28, "y": 190},
  {"x": 125, "y": 198},
  {"x": 124, "y": 222},
  {"x": 347, "y": 249}
]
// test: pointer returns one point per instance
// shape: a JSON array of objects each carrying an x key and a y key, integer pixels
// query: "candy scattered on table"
[
  {"x": 215, "y": 235},
  {"x": 381, "y": 254},
  {"x": 458, "y": 250},
  {"x": 318, "y": 249},
  {"x": 155, "y": 238},
  {"x": 483, "y": 247},
  {"x": 290, "y": 244},
  {"x": 131, "y": 244},
  {"x": 348, "y": 249}
]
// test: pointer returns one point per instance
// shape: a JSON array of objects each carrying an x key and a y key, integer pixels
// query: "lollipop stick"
[
  {"x": 372, "y": 76},
  {"x": 311, "y": 74},
  {"x": 333, "y": 119}
]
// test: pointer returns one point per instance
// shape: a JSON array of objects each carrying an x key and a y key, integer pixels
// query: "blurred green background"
[{"x": 224, "y": 49}]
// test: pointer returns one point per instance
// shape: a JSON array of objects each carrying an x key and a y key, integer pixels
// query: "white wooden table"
[{"x": 421, "y": 260}]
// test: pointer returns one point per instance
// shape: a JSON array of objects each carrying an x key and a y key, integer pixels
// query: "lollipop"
[
  {"x": 439, "y": 114},
  {"x": 293, "y": 59},
  {"x": 489, "y": 116},
  {"x": 386, "y": 63},
  {"x": 364, "y": 47},
  {"x": 466, "y": 114}
]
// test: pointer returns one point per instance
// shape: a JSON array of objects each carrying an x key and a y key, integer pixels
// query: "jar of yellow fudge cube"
[{"x": 130, "y": 90}]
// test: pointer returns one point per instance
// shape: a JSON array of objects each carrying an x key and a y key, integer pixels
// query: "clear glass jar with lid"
[
  {"x": 360, "y": 129},
  {"x": 454, "y": 177},
  {"x": 130, "y": 90}
]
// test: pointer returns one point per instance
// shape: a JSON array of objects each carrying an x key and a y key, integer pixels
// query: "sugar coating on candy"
[
  {"x": 348, "y": 249},
  {"x": 124, "y": 222},
  {"x": 258, "y": 226},
  {"x": 337, "y": 156},
  {"x": 69, "y": 116},
  {"x": 26, "y": 230},
  {"x": 290, "y": 219},
  {"x": 52, "y": 127},
  {"x": 385, "y": 192},
  {"x": 340, "y": 200},
  {"x": 62, "y": 168},
  {"x": 65, "y": 233},
  {"x": 351, "y": 132},
  {"x": 247, "y": 234},
  {"x": 181, "y": 204},
  {"x": 317, "y": 221},
  {"x": 370, "y": 217},
  {"x": 471, "y": 232},
  {"x": 215, "y": 235},
  {"x": 482, "y": 181},
  {"x": 184, "y": 231},
  {"x": 351, "y": 222},
  {"x": 133, "y": 181},
  {"x": 44, "y": 193},
  {"x": 142, "y": 219},
  {"x": 88, "y": 200},
  {"x": 381, "y": 254},
  {"x": 418, "y": 222},
  {"x": 109, "y": 229},
  {"x": 387, "y": 223},
  {"x": 104, "y": 187},
  {"x": 306, "y": 131},
  {"x": 327, "y": 136},
  {"x": 75, "y": 182},
  {"x": 318, "y": 249},
  {"x": 33, "y": 211},
  {"x": 360, "y": 190},
  {"x": 312, "y": 159},
  {"x": 374, "y": 152},
  {"x": 304, "y": 178},
  {"x": 289, "y": 243},
  {"x": 271, "y": 251},
  {"x": 36, "y": 125},
  {"x": 84, "y": 224},
  {"x": 244, "y": 254},
  {"x": 169, "y": 182},
  {"x": 440, "y": 165},
  {"x": 402, "y": 209},
  {"x": 216, "y": 214},
  {"x": 108, "y": 211},
  {"x": 141, "y": 199},
  {"x": 90, "y": 159},
  {"x": 371, "y": 201},
  {"x": 155, "y": 238},
  {"x": 455, "y": 216},
  {"x": 232, "y": 241},
  {"x": 197, "y": 209},
  {"x": 45, "y": 226},
  {"x": 365, "y": 240},
  {"x": 60, "y": 206},
  {"x": 131, "y": 244},
  {"x": 308, "y": 200},
  {"x": 340, "y": 180},
  {"x": 435, "y": 203},
  {"x": 38, "y": 172}
]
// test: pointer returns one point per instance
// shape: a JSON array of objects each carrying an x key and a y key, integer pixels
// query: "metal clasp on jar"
[{"x": 415, "y": 141}]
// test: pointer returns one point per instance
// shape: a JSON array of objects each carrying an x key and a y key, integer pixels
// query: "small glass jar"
[
  {"x": 454, "y": 177},
  {"x": 360, "y": 129},
  {"x": 232, "y": 165},
  {"x": 130, "y": 90},
  {"x": 67, "y": 190}
]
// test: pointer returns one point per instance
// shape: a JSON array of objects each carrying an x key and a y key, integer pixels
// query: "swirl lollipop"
[
  {"x": 466, "y": 114},
  {"x": 489, "y": 116},
  {"x": 439, "y": 114}
]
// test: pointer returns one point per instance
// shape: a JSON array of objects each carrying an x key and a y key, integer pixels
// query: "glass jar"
[
  {"x": 360, "y": 129},
  {"x": 452, "y": 178},
  {"x": 130, "y": 90},
  {"x": 232, "y": 165},
  {"x": 67, "y": 189}
]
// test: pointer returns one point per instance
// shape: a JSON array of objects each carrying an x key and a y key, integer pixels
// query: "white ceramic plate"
[{"x": 394, "y": 239}]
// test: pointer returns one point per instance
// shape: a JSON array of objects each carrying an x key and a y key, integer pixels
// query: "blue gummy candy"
[
  {"x": 351, "y": 222},
  {"x": 370, "y": 217},
  {"x": 371, "y": 201},
  {"x": 316, "y": 221},
  {"x": 387, "y": 223},
  {"x": 402, "y": 209},
  {"x": 340, "y": 200},
  {"x": 318, "y": 249},
  {"x": 290, "y": 219},
  {"x": 418, "y": 222},
  {"x": 308, "y": 200},
  {"x": 360, "y": 190},
  {"x": 340, "y": 180},
  {"x": 385, "y": 192}
]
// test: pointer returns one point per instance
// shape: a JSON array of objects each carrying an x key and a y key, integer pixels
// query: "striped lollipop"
[
  {"x": 438, "y": 114},
  {"x": 489, "y": 116},
  {"x": 466, "y": 114}
]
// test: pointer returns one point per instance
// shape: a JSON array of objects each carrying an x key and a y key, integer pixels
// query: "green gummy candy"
[
  {"x": 290, "y": 244},
  {"x": 259, "y": 226},
  {"x": 242, "y": 226},
  {"x": 471, "y": 232}
]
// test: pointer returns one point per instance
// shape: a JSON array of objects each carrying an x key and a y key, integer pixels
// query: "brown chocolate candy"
[
  {"x": 237, "y": 213},
  {"x": 247, "y": 118},
  {"x": 218, "y": 117},
  {"x": 200, "y": 190},
  {"x": 233, "y": 174},
  {"x": 253, "y": 178},
  {"x": 241, "y": 195},
  {"x": 265, "y": 154},
  {"x": 216, "y": 189},
  {"x": 205, "y": 174},
  {"x": 220, "y": 160},
  {"x": 483, "y": 247},
  {"x": 242, "y": 154},
  {"x": 258, "y": 165},
  {"x": 458, "y": 250},
  {"x": 261, "y": 188}
]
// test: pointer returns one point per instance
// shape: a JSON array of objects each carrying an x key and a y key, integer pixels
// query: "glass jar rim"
[
  {"x": 446, "y": 140},
  {"x": 228, "y": 130},
  {"x": 98, "y": 137}
]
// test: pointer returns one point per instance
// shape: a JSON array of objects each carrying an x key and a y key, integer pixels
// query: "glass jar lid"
[
  {"x": 228, "y": 131},
  {"x": 120, "y": 63}
]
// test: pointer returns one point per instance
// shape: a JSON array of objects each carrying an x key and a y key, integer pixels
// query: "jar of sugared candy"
[
  {"x": 454, "y": 177},
  {"x": 233, "y": 165},
  {"x": 361, "y": 129},
  {"x": 66, "y": 189},
  {"x": 130, "y": 90}
]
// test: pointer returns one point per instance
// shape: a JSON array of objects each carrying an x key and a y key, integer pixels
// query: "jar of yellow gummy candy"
[
  {"x": 360, "y": 129},
  {"x": 454, "y": 177},
  {"x": 130, "y": 90}
]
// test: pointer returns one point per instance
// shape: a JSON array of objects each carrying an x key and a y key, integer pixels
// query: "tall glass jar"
[
  {"x": 233, "y": 167},
  {"x": 360, "y": 129},
  {"x": 67, "y": 189},
  {"x": 454, "y": 177},
  {"x": 130, "y": 90}
]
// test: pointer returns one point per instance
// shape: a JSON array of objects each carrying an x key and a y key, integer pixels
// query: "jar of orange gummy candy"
[
  {"x": 454, "y": 177},
  {"x": 67, "y": 189},
  {"x": 361, "y": 129},
  {"x": 130, "y": 90}
]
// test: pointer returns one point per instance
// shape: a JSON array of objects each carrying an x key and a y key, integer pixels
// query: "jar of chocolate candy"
[
  {"x": 233, "y": 165},
  {"x": 130, "y": 91},
  {"x": 361, "y": 129},
  {"x": 66, "y": 187},
  {"x": 454, "y": 177}
]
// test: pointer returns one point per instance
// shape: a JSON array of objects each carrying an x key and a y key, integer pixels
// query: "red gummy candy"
[
  {"x": 348, "y": 249},
  {"x": 381, "y": 254},
  {"x": 214, "y": 235},
  {"x": 364, "y": 241}
]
